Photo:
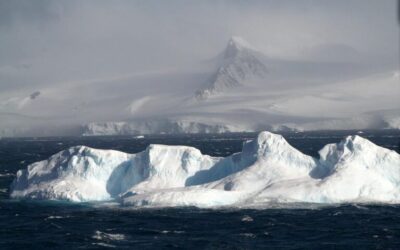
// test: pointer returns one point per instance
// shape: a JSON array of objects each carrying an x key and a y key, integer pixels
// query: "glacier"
[
  {"x": 268, "y": 170},
  {"x": 158, "y": 126}
]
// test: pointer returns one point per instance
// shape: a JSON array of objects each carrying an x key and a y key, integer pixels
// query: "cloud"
[{"x": 76, "y": 40}]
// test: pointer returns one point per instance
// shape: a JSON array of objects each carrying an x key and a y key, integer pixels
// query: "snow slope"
[{"x": 267, "y": 170}]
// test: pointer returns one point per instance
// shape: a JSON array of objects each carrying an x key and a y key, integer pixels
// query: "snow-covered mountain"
[
  {"x": 267, "y": 170},
  {"x": 238, "y": 65},
  {"x": 341, "y": 105},
  {"x": 241, "y": 89}
]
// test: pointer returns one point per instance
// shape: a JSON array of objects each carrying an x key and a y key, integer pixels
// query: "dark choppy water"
[{"x": 42, "y": 225}]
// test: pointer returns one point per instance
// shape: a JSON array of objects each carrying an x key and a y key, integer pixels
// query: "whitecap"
[
  {"x": 98, "y": 235},
  {"x": 6, "y": 174},
  {"x": 55, "y": 217},
  {"x": 247, "y": 218},
  {"x": 248, "y": 235},
  {"x": 102, "y": 244}
]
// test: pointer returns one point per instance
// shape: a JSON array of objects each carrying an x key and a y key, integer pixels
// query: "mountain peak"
[
  {"x": 236, "y": 44},
  {"x": 239, "y": 42},
  {"x": 240, "y": 65}
]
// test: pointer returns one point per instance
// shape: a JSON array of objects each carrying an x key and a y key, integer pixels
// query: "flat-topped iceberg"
[{"x": 267, "y": 170}]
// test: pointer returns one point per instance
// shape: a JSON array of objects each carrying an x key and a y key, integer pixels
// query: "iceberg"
[{"x": 267, "y": 170}]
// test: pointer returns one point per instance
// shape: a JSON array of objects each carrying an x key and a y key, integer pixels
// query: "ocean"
[{"x": 62, "y": 225}]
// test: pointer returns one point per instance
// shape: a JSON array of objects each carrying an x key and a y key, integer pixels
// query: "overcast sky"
[{"x": 46, "y": 42}]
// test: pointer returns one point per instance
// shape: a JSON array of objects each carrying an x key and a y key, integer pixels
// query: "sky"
[
  {"x": 43, "y": 42},
  {"x": 51, "y": 44}
]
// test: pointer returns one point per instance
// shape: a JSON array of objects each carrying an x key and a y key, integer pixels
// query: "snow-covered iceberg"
[{"x": 267, "y": 170}]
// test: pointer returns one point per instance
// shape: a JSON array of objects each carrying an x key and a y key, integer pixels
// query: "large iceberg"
[{"x": 268, "y": 170}]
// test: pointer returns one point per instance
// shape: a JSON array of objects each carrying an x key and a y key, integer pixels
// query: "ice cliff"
[
  {"x": 157, "y": 127},
  {"x": 267, "y": 170}
]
